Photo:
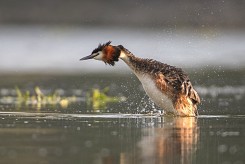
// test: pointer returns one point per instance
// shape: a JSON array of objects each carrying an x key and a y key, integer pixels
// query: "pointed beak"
[{"x": 89, "y": 57}]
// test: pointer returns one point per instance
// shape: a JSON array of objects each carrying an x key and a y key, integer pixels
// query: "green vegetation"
[
  {"x": 99, "y": 98},
  {"x": 39, "y": 99},
  {"x": 96, "y": 98}
]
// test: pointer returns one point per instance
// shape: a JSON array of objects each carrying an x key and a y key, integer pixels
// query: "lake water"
[{"x": 122, "y": 132}]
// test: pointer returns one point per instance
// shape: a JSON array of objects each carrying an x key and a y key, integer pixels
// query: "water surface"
[
  {"x": 120, "y": 138},
  {"x": 127, "y": 132}
]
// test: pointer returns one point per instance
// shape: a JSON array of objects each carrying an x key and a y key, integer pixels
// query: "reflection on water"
[
  {"x": 136, "y": 138},
  {"x": 174, "y": 143},
  {"x": 118, "y": 138}
]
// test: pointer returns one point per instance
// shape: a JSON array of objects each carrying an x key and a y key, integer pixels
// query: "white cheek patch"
[
  {"x": 123, "y": 55},
  {"x": 99, "y": 57}
]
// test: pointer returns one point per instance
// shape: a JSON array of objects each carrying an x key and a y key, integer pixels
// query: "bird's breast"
[{"x": 157, "y": 96}]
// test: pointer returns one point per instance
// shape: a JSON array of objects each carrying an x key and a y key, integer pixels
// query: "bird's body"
[{"x": 168, "y": 87}]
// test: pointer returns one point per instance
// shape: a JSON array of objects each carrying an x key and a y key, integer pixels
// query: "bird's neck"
[{"x": 131, "y": 60}]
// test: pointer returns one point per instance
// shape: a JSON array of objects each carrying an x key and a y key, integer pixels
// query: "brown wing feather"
[
  {"x": 164, "y": 86},
  {"x": 178, "y": 82},
  {"x": 190, "y": 92}
]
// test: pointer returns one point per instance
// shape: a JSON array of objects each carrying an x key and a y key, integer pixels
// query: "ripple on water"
[{"x": 54, "y": 116}]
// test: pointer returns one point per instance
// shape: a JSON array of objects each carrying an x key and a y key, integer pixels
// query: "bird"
[{"x": 167, "y": 86}]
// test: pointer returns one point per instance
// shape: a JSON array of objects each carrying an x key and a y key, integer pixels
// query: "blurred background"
[
  {"x": 56, "y": 108},
  {"x": 51, "y": 36}
]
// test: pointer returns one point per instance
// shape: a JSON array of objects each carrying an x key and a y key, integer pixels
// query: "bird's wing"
[
  {"x": 188, "y": 90},
  {"x": 175, "y": 81}
]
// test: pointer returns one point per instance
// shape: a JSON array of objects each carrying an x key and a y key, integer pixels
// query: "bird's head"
[{"x": 106, "y": 53}]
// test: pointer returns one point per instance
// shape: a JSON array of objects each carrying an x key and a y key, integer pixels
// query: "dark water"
[{"x": 122, "y": 132}]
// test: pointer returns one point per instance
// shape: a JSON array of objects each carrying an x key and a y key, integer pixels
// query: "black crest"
[{"x": 101, "y": 47}]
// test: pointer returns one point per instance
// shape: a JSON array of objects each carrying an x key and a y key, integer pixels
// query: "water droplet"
[
  {"x": 34, "y": 136},
  {"x": 74, "y": 150},
  {"x": 233, "y": 149},
  {"x": 238, "y": 162},
  {"x": 58, "y": 151},
  {"x": 211, "y": 133},
  {"x": 12, "y": 154},
  {"x": 105, "y": 152},
  {"x": 114, "y": 133},
  {"x": 88, "y": 144},
  {"x": 42, "y": 152},
  {"x": 2, "y": 151},
  {"x": 226, "y": 162},
  {"x": 222, "y": 148}
]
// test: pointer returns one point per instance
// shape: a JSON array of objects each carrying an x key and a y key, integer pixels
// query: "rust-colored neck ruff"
[{"x": 111, "y": 55}]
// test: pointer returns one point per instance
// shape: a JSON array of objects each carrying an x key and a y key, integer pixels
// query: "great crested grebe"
[{"x": 167, "y": 86}]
